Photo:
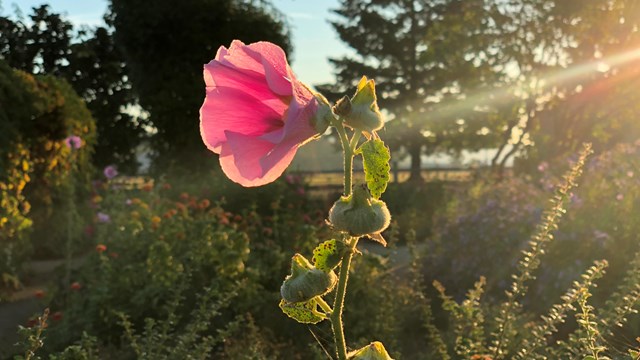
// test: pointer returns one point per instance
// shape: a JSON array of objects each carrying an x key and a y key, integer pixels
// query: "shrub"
[
  {"x": 15, "y": 225},
  {"x": 44, "y": 111}
]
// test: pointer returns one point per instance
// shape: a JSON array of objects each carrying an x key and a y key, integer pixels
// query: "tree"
[
  {"x": 601, "y": 103},
  {"x": 165, "y": 50},
  {"x": 92, "y": 65},
  {"x": 561, "y": 99},
  {"x": 423, "y": 55}
]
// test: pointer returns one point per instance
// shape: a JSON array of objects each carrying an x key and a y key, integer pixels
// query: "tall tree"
[
  {"x": 561, "y": 97},
  {"x": 93, "y": 66},
  {"x": 423, "y": 55},
  {"x": 166, "y": 45},
  {"x": 600, "y": 104}
]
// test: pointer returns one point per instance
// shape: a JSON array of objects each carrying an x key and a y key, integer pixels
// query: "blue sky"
[{"x": 314, "y": 39}]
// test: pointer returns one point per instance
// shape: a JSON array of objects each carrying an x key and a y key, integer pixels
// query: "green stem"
[
  {"x": 323, "y": 305},
  {"x": 347, "y": 150},
  {"x": 338, "y": 305}
]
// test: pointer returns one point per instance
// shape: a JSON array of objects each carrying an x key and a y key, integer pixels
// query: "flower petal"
[
  {"x": 238, "y": 56},
  {"x": 232, "y": 109},
  {"x": 276, "y": 68},
  {"x": 241, "y": 160},
  {"x": 217, "y": 74}
]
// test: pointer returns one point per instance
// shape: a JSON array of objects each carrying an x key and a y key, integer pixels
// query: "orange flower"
[
  {"x": 39, "y": 294},
  {"x": 204, "y": 203}
]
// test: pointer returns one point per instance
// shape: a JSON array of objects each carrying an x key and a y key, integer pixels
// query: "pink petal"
[
  {"x": 276, "y": 68},
  {"x": 241, "y": 160},
  {"x": 238, "y": 56},
  {"x": 219, "y": 75},
  {"x": 232, "y": 109}
]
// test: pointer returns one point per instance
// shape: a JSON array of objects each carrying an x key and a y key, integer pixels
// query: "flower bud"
[
  {"x": 305, "y": 281},
  {"x": 359, "y": 214},
  {"x": 363, "y": 112},
  {"x": 373, "y": 351},
  {"x": 323, "y": 116}
]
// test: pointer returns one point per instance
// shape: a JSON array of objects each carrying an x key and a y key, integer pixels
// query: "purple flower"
[
  {"x": 103, "y": 218},
  {"x": 110, "y": 172},
  {"x": 73, "y": 142}
]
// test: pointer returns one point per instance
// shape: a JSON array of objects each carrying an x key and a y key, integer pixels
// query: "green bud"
[
  {"x": 305, "y": 281},
  {"x": 373, "y": 351},
  {"x": 323, "y": 116},
  {"x": 363, "y": 112},
  {"x": 359, "y": 214}
]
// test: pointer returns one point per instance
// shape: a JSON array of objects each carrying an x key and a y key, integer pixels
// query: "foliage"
[
  {"x": 483, "y": 229},
  {"x": 170, "y": 86},
  {"x": 44, "y": 111},
  {"x": 565, "y": 98},
  {"x": 91, "y": 63},
  {"x": 421, "y": 54},
  {"x": 15, "y": 225}
]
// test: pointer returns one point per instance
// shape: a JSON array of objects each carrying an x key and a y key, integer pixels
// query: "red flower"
[
  {"x": 39, "y": 294},
  {"x": 76, "y": 286},
  {"x": 56, "y": 316},
  {"x": 101, "y": 248}
]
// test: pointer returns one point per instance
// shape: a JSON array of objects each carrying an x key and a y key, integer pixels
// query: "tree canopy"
[
  {"x": 166, "y": 45},
  {"x": 89, "y": 61},
  {"x": 422, "y": 54},
  {"x": 496, "y": 75}
]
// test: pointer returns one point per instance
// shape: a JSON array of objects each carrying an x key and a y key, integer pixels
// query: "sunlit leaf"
[
  {"x": 302, "y": 312},
  {"x": 327, "y": 255},
  {"x": 376, "y": 158}
]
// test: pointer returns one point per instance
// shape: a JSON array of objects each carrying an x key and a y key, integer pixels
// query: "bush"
[
  {"x": 15, "y": 225},
  {"x": 44, "y": 111}
]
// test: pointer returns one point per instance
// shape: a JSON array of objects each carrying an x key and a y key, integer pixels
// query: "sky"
[{"x": 314, "y": 39}]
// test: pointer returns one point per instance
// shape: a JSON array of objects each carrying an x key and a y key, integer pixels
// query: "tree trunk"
[{"x": 415, "y": 171}]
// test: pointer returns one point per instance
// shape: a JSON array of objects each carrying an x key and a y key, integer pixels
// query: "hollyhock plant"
[
  {"x": 255, "y": 116},
  {"x": 256, "y": 113}
]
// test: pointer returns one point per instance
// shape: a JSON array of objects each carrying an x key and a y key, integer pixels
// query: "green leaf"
[
  {"x": 589, "y": 357},
  {"x": 376, "y": 158},
  {"x": 328, "y": 255},
  {"x": 302, "y": 312}
]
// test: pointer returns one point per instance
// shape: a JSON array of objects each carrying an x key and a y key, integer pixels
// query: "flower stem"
[
  {"x": 347, "y": 150},
  {"x": 338, "y": 305}
]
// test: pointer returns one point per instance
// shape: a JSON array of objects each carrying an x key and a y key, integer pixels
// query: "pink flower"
[
  {"x": 110, "y": 172},
  {"x": 73, "y": 142},
  {"x": 256, "y": 113}
]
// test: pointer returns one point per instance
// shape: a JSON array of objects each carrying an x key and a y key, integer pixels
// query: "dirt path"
[{"x": 23, "y": 304}]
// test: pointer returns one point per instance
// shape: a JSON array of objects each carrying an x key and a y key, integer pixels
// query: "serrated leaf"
[
  {"x": 302, "y": 312},
  {"x": 376, "y": 158},
  {"x": 328, "y": 255}
]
